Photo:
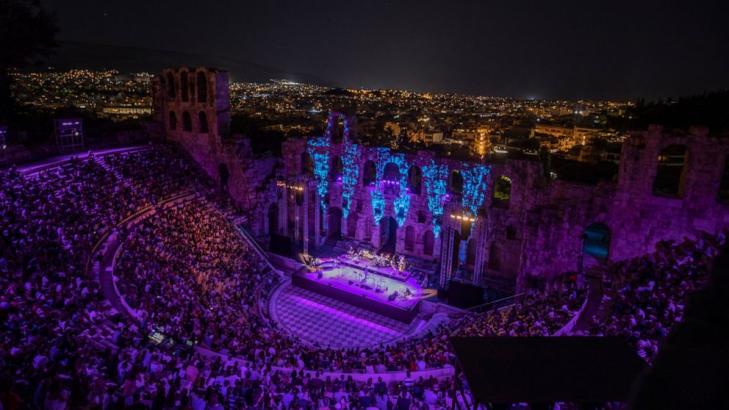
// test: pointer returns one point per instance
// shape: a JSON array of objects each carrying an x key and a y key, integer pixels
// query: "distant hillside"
[{"x": 134, "y": 59}]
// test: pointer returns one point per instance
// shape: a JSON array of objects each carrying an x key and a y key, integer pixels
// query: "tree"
[{"x": 27, "y": 37}]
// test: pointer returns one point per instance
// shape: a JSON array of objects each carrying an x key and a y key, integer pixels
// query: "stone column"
[
  {"x": 305, "y": 210},
  {"x": 283, "y": 211},
  {"x": 446, "y": 257},
  {"x": 480, "y": 238},
  {"x": 297, "y": 224},
  {"x": 317, "y": 219}
]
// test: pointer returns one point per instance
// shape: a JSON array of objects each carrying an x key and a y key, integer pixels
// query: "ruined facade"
[
  {"x": 500, "y": 222},
  {"x": 194, "y": 106}
]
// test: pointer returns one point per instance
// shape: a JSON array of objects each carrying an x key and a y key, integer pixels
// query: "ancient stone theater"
[{"x": 502, "y": 222}]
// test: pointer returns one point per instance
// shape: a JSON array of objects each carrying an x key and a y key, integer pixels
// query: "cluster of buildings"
[
  {"x": 461, "y": 125},
  {"x": 108, "y": 94}
]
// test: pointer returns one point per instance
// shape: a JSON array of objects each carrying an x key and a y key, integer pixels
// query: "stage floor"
[{"x": 318, "y": 319}]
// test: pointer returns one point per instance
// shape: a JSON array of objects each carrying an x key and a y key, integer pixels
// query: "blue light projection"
[
  {"x": 331, "y": 124},
  {"x": 475, "y": 184},
  {"x": 350, "y": 174},
  {"x": 401, "y": 203},
  {"x": 434, "y": 179},
  {"x": 377, "y": 198},
  {"x": 320, "y": 157}
]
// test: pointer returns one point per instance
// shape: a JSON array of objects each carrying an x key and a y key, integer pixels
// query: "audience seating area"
[{"x": 196, "y": 282}]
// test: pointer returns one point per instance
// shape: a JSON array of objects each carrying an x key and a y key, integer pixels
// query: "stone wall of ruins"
[{"x": 538, "y": 233}]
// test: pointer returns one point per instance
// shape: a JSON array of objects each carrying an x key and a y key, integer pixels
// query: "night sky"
[{"x": 543, "y": 49}]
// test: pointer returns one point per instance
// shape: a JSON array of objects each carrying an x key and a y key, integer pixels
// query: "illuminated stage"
[{"x": 384, "y": 290}]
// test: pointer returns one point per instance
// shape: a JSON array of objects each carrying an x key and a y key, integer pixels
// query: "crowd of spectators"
[
  {"x": 196, "y": 283},
  {"x": 537, "y": 313},
  {"x": 646, "y": 296}
]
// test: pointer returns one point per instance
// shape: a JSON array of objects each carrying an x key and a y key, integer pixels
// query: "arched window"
[
  {"x": 307, "y": 164},
  {"x": 724, "y": 186},
  {"x": 203, "y": 118},
  {"x": 456, "y": 183},
  {"x": 421, "y": 217},
  {"x": 428, "y": 240},
  {"x": 338, "y": 131},
  {"x": 502, "y": 191},
  {"x": 671, "y": 172},
  {"x": 171, "y": 87},
  {"x": 596, "y": 241},
  {"x": 391, "y": 172},
  {"x": 202, "y": 87},
  {"x": 409, "y": 239},
  {"x": 173, "y": 120},
  {"x": 184, "y": 86},
  {"x": 186, "y": 121},
  {"x": 369, "y": 174},
  {"x": 415, "y": 178},
  {"x": 335, "y": 171}
]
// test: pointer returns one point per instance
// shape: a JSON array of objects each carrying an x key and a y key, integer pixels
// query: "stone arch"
[
  {"x": 369, "y": 173},
  {"x": 502, "y": 191},
  {"x": 184, "y": 85},
  {"x": 173, "y": 120},
  {"x": 186, "y": 121},
  {"x": 391, "y": 172},
  {"x": 201, "y": 83},
  {"x": 203, "y": 120},
  {"x": 455, "y": 182},
  {"x": 171, "y": 87},
  {"x": 338, "y": 129},
  {"x": 596, "y": 241},
  {"x": 409, "y": 238},
  {"x": 428, "y": 243},
  {"x": 307, "y": 164},
  {"x": 273, "y": 219},
  {"x": 671, "y": 171},
  {"x": 335, "y": 170},
  {"x": 415, "y": 180}
]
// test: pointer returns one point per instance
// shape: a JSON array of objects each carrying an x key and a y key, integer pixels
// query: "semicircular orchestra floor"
[{"x": 317, "y": 319}]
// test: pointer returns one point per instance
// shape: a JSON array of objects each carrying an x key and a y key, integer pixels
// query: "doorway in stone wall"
[
  {"x": 335, "y": 224},
  {"x": 388, "y": 235}
]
